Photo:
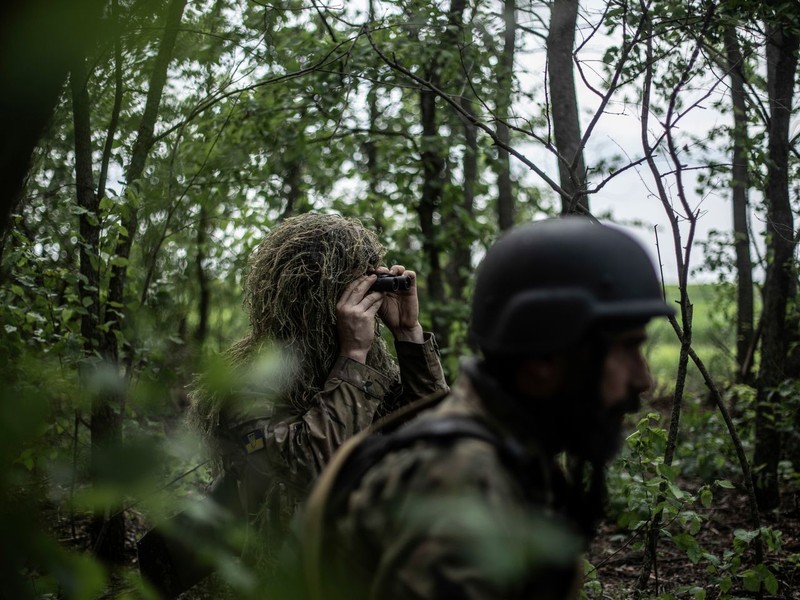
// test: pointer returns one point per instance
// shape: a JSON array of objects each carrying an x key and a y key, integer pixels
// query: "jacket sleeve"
[
  {"x": 345, "y": 405},
  {"x": 421, "y": 373},
  {"x": 352, "y": 396}
]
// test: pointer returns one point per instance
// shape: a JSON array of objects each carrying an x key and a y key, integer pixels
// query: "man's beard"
[
  {"x": 593, "y": 440},
  {"x": 596, "y": 432}
]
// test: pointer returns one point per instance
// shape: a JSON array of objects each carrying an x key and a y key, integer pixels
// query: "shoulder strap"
[
  {"x": 435, "y": 429},
  {"x": 317, "y": 503},
  {"x": 359, "y": 453}
]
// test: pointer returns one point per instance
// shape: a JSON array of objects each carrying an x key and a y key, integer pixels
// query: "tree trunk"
[
  {"x": 107, "y": 531},
  {"x": 458, "y": 213},
  {"x": 141, "y": 148},
  {"x": 117, "y": 108},
  {"x": 433, "y": 168},
  {"x": 374, "y": 175},
  {"x": 505, "y": 84},
  {"x": 204, "y": 299},
  {"x": 434, "y": 177},
  {"x": 460, "y": 265},
  {"x": 782, "y": 58},
  {"x": 564, "y": 106},
  {"x": 740, "y": 186},
  {"x": 293, "y": 187}
]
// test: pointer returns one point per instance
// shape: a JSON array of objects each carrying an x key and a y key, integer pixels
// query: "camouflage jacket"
[
  {"x": 452, "y": 519},
  {"x": 276, "y": 458}
]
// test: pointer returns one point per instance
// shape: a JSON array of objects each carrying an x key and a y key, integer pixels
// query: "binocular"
[{"x": 391, "y": 283}]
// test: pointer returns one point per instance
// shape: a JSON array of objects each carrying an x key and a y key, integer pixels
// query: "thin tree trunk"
[
  {"x": 461, "y": 212},
  {"x": 682, "y": 255},
  {"x": 371, "y": 155},
  {"x": 505, "y": 83},
  {"x": 740, "y": 186},
  {"x": 370, "y": 147},
  {"x": 204, "y": 299},
  {"x": 433, "y": 168},
  {"x": 460, "y": 265},
  {"x": 117, "y": 108},
  {"x": 434, "y": 177},
  {"x": 564, "y": 105},
  {"x": 142, "y": 147},
  {"x": 294, "y": 189},
  {"x": 782, "y": 58},
  {"x": 89, "y": 285},
  {"x": 107, "y": 532}
]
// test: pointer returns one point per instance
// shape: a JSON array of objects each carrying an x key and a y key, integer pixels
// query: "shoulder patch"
[{"x": 253, "y": 440}]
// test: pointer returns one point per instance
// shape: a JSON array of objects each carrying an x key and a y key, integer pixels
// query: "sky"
[{"x": 629, "y": 198}]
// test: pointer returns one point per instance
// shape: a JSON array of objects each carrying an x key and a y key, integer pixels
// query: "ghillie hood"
[{"x": 295, "y": 278}]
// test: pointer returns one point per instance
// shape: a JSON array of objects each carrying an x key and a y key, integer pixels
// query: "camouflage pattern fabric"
[
  {"x": 452, "y": 520},
  {"x": 276, "y": 458}
]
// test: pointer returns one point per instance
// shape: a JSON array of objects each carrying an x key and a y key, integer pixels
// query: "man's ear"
[{"x": 540, "y": 377}]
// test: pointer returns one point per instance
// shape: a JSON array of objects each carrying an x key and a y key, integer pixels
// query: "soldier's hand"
[
  {"x": 400, "y": 309},
  {"x": 355, "y": 318}
]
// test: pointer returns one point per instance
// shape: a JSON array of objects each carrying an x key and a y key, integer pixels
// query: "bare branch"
[{"x": 460, "y": 110}]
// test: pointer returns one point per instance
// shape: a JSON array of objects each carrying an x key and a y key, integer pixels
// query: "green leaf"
[
  {"x": 119, "y": 261},
  {"x": 751, "y": 581},
  {"x": 745, "y": 535},
  {"x": 676, "y": 491},
  {"x": 724, "y": 483},
  {"x": 771, "y": 583},
  {"x": 26, "y": 458},
  {"x": 81, "y": 577},
  {"x": 706, "y": 498}
]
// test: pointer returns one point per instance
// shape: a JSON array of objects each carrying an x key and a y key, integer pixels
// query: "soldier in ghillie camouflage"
[
  {"x": 308, "y": 295},
  {"x": 467, "y": 500}
]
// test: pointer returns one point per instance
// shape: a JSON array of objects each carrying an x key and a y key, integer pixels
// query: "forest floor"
[{"x": 616, "y": 555}]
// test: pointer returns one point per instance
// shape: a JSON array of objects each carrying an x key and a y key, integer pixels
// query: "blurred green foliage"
[{"x": 242, "y": 140}]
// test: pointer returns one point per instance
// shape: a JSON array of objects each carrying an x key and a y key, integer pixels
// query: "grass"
[{"x": 713, "y": 338}]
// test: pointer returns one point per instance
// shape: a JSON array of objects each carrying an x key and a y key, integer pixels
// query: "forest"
[{"x": 150, "y": 144}]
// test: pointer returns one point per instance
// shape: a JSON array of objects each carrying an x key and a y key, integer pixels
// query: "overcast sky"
[{"x": 630, "y": 197}]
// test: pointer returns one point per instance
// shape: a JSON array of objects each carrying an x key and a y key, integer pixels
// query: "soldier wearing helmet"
[{"x": 467, "y": 500}]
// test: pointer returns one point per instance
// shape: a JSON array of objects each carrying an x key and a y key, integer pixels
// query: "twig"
[
  {"x": 466, "y": 115},
  {"x": 136, "y": 503}
]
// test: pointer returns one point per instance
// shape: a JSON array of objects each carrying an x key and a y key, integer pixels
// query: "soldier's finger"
[
  {"x": 372, "y": 303},
  {"x": 356, "y": 290},
  {"x": 362, "y": 289},
  {"x": 397, "y": 270},
  {"x": 410, "y": 274}
]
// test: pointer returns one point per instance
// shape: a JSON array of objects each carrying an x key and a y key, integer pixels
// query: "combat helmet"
[{"x": 543, "y": 285}]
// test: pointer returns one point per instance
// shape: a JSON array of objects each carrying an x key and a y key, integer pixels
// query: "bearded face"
[{"x": 603, "y": 383}]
